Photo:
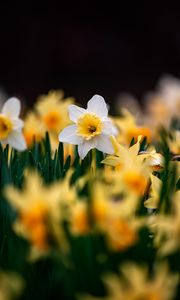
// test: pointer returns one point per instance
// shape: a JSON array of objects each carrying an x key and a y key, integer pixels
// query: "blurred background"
[{"x": 87, "y": 48}]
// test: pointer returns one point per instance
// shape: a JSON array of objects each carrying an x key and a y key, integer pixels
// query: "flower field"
[{"x": 89, "y": 200}]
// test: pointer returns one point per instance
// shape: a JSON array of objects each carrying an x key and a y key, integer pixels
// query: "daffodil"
[
  {"x": 154, "y": 159},
  {"x": 124, "y": 156},
  {"x": 128, "y": 128},
  {"x": 167, "y": 228},
  {"x": 109, "y": 212},
  {"x": 40, "y": 211},
  {"x": 34, "y": 129},
  {"x": 130, "y": 156},
  {"x": 164, "y": 104},
  {"x": 135, "y": 283},
  {"x": 134, "y": 171},
  {"x": 53, "y": 110},
  {"x": 174, "y": 142},
  {"x": 79, "y": 218},
  {"x": 113, "y": 211},
  {"x": 11, "y": 125},
  {"x": 91, "y": 129},
  {"x": 112, "y": 200},
  {"x": 154, "y": 194},
  {"x": 11, "y": 285}
]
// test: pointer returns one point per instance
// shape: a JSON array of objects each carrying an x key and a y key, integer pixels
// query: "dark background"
[{"x": 87, "y": 48}]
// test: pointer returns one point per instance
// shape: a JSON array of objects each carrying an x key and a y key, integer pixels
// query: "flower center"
[
  {"x": 151, "y": 296},
  {"x": 5, "y": 127},
  {"x": 89, "y": 125},
  {"x": 79, "y": 222},
  {"x": 135, "y": 181},
  {"x": 52, "y": 120},
  {"x": 121, "y": 235},
  {"x": 34, "y": 222}
]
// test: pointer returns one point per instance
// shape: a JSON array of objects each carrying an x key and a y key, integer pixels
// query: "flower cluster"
[{"x": 90, "y": 202}]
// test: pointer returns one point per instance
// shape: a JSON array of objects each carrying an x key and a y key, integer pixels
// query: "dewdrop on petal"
[
  {"x": 11, "y": 125},
  {"x": 91, "y": 129}
]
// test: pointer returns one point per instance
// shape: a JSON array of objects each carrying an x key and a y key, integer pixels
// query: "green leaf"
[{"x": 67, "y": 165}]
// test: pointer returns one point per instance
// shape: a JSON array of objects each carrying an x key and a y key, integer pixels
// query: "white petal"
[
  {"x": 98, "y": 106},
  {"x": 12, "y": 107},
  {"x": 108, "y": 128},
  {"x": 104, "y": 144},
  {"x": 68, "y": 135},
  {"x": 16, "y": 140},
  {"x": 75, "y": 112},
  {"x": 114, "y": 130},
  {"x": 84, "y": 148},
  {"x": 17, "y": 124}
]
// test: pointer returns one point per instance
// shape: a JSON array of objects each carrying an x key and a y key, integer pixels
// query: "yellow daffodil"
[
  {"x": 121, "y": 233},
  {"x": 40, "y": 210},
  {"x": 11, "y": 285},
  {"x": 53, "y": 110},
  {"x": 154, "y": 194},
  {"x": 128, "y": 129},
  {"x": 114, "y": 215},
  {"x": 135, "y": 283},
  {"x": 133, "y": 170},
  {"x": 108, "y": 212},
  {"x": 157, "y": 113},
  {"x": 34, "y": 129},
  {"x": 113, "y": 200},
  {"x": 154, "y": 159},
  {"x": 164, "y": 104},
  {"x": 123, "y": 156},
  {"x": 174, "y": 142},
  {"x": 79, "y": 219},
  {"x": 167, "y": 228}
]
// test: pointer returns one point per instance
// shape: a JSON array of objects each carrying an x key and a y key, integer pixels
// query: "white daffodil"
[
  {"x": 11, "y": 126},
  {"x": 92, "y": 128}
]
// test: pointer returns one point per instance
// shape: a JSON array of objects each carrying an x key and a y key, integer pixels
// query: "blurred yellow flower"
[
  {"x": 124, "y": 156},
  {"x": 154, "y": 159},
  {"x": 34, "y": 130},
  {"x": 167, "y": 228},
  {"x": 121, "y": 233},
  {"x": 134, "y": 171},
  {"x": 79, "y": 220},
  {"x": 128, "y": 128},
  {"x": 114, "y": 216},
  {"x": 11, "y": 285},
  {"x": 136, "y": 283},
  {"x": 174, "y": 142},
  {"x": 135, "y": 180},
  {"x": 112, "y": 200},
  {"x": 154, "y": 193},
  {"x": 53, "y": 110},
  {"x": 158, "y": 113},
  {"x": 41, "y": 209},
  {"x": 164, "y": 104}
]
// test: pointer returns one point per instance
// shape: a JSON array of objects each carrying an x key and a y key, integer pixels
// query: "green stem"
[{"x": 93, "y": 162}]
